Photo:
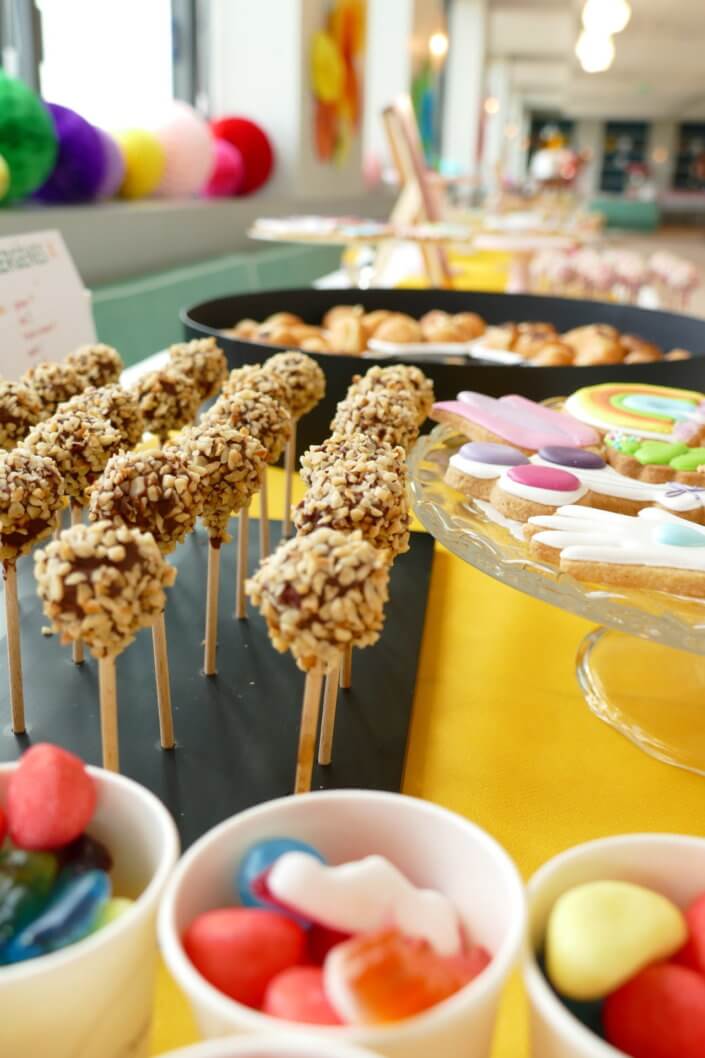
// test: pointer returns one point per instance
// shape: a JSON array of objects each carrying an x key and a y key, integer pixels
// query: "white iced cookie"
[{"x": 365, "y": 896}]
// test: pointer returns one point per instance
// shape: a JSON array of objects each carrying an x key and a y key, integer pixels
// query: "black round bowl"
[{"x": 666, "y": 329}]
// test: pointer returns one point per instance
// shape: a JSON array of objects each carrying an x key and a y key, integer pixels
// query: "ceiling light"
[
  {"x": 595, "y": 52},
  {"x": 492, "y": 105},
  {"x": 438, "y": 45},
  {"x": 606, "y": 16}
]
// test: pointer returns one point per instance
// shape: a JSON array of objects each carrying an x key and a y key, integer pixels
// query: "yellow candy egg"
[
  {"x": 601, "y": 934},
  {"x": 144, "y": 162}
]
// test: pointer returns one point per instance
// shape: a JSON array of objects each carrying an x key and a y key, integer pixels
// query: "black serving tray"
[
  {"x": 236, "y": 732},
  {"x": 667, "y": 329}
]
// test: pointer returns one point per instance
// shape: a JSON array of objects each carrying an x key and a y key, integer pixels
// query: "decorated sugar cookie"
[
  {"x": 512, "y": 420},
  {"x": 654, "y": 550},
  {"x": 524, "y": 491},
  {"x": 656, "y": 460},
  {"x": 657, "y": 412},
  {"x": 474, "y": 469}
]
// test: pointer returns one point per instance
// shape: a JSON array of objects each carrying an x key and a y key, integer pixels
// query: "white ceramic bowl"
[
  {"x": 671, "y": 864},
  {"x": 94, "y": 999},
  {"x": 270, "y": 1047},
  {"x": 432, "y": 846}
]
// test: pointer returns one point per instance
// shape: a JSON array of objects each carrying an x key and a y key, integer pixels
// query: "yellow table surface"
[{"x": 501, "y": 734}]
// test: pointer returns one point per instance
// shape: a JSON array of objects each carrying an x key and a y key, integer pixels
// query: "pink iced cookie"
[
  {"x": 364, "y": 896},
  {"x": 548, "y": 486},
  {"x": 513, "y": 420}
]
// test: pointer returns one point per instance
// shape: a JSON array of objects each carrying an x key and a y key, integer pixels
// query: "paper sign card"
[{"x": 45, "y": 310}]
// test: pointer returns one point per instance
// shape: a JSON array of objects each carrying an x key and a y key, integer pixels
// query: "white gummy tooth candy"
[{"x": 364, "y": 896}]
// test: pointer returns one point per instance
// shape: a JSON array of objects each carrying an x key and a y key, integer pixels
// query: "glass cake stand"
[{"x": 642, "y": 670}]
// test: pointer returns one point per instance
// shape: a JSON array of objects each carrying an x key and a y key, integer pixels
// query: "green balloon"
[{"x": 28, "y": 140}]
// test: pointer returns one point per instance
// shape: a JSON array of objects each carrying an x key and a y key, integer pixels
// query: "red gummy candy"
[
  {"x": 320, "y": 941},
  {"x": 297, "y": 995},
  {"x": 693, "y": 954},
  {"x": 3, "y": 826},
  {"x": 388, "y": 976},
  {"x": 240, "y": 949},
  {"x": 50, "y": 798},
  {"x": 660, "y": 1013}
]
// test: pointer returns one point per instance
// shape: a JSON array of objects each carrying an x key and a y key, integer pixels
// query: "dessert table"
[{"x": 502, "y": 735}]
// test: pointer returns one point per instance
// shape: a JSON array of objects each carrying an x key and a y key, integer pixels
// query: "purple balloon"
[
  {"x": 114, "y": 166},
  {"x": 80, "y": 163}
]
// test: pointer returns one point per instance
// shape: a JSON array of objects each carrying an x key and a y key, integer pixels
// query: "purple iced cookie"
[
  {"x": 566, "y": 456},
  {"x": 493, "y": 454}
]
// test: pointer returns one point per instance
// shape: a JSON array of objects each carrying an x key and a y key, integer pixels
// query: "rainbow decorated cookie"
[
  {"x": 524, "y": 491},
  {"x": 657, "y": 412},
  {"x": 656, "y": 460},
  {"x": 474, "y": 469},
  {"x": 512, "y": 420},
  {"x": 654, "y": 550}
]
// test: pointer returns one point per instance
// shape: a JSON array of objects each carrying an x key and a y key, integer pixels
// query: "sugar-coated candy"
[
  {"x": 387, "y": 976},
  {"x": 660, "y": 1013},
  {"x": 240, "y": 949},
  {"x": 254, "y": 868},
  {"x": 320, "y": 941},
  {"x": 111, "y": 910},
  {"x": 693, "y": 954},
  {"x": 50, "y": 798},
  {"x": 602, "y": 933},
  {"x": 364, "y": 896},
  {"x": 297, "y": 994},
  {"x": 67, "y": 918},
  {"x": 26, "y": 881}
]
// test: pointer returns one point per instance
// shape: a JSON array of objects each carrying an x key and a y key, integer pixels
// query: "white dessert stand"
[{"x": 642, "y": 671}]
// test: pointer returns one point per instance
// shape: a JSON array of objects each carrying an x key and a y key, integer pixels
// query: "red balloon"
[{"x": 254, "y": 146}]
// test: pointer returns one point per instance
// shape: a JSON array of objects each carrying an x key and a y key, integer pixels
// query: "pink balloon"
[
  {"x": 228, "y": 173},
  {"x": 188, "y": 150}
]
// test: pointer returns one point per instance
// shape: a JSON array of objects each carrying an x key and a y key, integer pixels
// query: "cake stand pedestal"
[{"x": 642, "y": 671}]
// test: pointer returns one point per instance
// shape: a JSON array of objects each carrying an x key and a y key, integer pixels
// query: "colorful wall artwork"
[{"x": 337, "y": 68}]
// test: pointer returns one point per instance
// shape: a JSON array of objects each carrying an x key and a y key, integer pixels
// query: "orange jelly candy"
[{"x": 387, "y": 976}]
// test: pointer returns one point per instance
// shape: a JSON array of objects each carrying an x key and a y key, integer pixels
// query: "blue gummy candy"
[
  {"x": 257, "y": 860},
  {"x": 68, "y": 917}
]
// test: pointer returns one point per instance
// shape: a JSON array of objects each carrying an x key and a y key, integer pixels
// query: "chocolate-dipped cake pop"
[
  {"x": 368, "y": 495},
  {"x": 357, "y": 447},
  {"x": 101, "y": 583},
  {"x": 405, "y": 378},
  {"x": 158, "y": 492},
  {"x": 168, "y": 400},
  {"x": 80, "y": 443},
  {"x": 318, "y": 594},
  {"x": 118, "y": 405},
  {"x": 20, "y": 410},
  {"x": 383, "y": 415},
  {"x": 54, "y": 383},
  {"x": 96, "y": 365},
  {"x": 258, "y": 414},
  {"x": 256, "y": 377},
  {"x": 304, "y": 377},
  {"x": 204, "y": 362}
]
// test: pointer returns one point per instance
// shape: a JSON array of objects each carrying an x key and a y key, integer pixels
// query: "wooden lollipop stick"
[
  {"x": 346, "y": 669},
  {"x": 108, "y": 713},
  {"x": 212, "y": 609},
  {"x": 309, "y": 728},
  {"x": 289, "y": 467},
  {"x": 330, "y": 701},
  {"x": 242, "y": 540},
  {"x": 77, "y": 648},
  {"x": 161, "y": 671},
  {"x": 14, "y": 654},
  {"x": 263, "y": 518}
]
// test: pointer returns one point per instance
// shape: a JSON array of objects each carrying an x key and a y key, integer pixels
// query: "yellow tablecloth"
[{"x": 502, "y": 735}]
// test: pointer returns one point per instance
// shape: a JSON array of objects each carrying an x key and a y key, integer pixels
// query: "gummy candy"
[
  {"x": 297, "y": 995},
  {"x": 67, "y": 918},
  {"x": 110, "y": 911},
  {"x": 240, "y": 949},
  {"x": 254, "y": 869},
  {"x": 26, "y": 881},
  {"x": 321, "y": 940},
  {"x": 387, "y": 976},
  {"x": 84, "y": 854},
  {"x": 50, "y": 798}
]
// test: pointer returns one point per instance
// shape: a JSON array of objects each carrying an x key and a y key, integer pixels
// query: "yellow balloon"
[
  {"x": 144, "y": 162},
  {"x": 4, "y": 177}
]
